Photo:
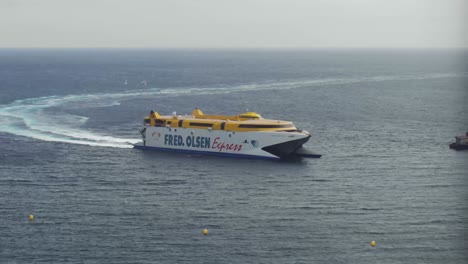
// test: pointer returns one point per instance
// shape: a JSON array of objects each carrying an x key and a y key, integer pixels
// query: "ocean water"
[{"x": 383, "y": 120}]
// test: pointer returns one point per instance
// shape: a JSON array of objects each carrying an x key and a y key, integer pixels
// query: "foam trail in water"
[
  {"x": 33, "y": 121},
  {"x": 29, "y": 118}
]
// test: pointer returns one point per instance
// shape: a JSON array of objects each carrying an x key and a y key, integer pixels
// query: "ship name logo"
[
  {"x": 225, "y": 146},
  {"x": 190, "y": 141},
  {"x": 200, "y": 142}
]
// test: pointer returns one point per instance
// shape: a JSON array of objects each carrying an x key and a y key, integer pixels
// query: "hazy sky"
[{"x": 234, "y": 23}]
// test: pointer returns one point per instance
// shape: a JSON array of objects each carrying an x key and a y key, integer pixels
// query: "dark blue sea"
[{"x": 382, "y": 119}]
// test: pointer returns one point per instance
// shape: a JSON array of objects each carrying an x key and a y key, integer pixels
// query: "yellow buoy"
[
  {"x": 205, "y": 231},
  {"x": 372, "y": 243},
  {"x": 31, "y": 217}
]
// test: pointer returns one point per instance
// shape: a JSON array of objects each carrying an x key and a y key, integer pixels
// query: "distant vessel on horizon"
[{"x": 461, "y": 142}]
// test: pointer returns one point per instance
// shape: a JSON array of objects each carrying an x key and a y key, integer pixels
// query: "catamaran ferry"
[{"x": 247, "y": 135}]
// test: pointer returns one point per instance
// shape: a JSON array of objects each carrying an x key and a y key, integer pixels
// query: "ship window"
[
  {"x": 159, "y": 122},
  {"x": 180, "y": 123},
  {"x": 249, "y": 117},
  {"x": 222, "y": 125},
  {"x": 201, "y": 124},
  {"x": 169, "y": 122},
  {"x": 265, "y": 126}
]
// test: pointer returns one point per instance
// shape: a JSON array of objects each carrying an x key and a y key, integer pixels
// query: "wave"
[
  {"x": 34, "y": 118},
  {"x": 302, "y": 83}
]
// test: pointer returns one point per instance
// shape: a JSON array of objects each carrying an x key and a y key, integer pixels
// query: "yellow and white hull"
[
  {"x": 247, "y": 135},
  {"x": 263, "y": 145}
]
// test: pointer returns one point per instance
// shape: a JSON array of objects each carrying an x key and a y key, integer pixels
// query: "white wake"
[{"x": 34, "y": 118}]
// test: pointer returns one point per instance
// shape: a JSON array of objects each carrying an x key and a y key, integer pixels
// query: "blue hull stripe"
[{"x": 221, "y": 154}]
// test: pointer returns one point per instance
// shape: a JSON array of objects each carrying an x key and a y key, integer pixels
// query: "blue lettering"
[
  {"x": 190, "y": 141},
  {"x": 166, "y": 140}
]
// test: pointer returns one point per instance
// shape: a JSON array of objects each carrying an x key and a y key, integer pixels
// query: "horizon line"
[{"x": 236, "y": 48}]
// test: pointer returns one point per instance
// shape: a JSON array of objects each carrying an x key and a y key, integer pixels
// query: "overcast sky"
[{"x": 234, "y": 23}]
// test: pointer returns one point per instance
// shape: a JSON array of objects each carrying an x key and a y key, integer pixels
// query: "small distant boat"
[
  {"x": 143, "y": 82},
  {"x": 461, "y": 142},
  {"x": 125, "y": 83}
]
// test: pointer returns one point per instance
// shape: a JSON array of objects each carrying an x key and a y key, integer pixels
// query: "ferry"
[{"x": 247, "y": 135}]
